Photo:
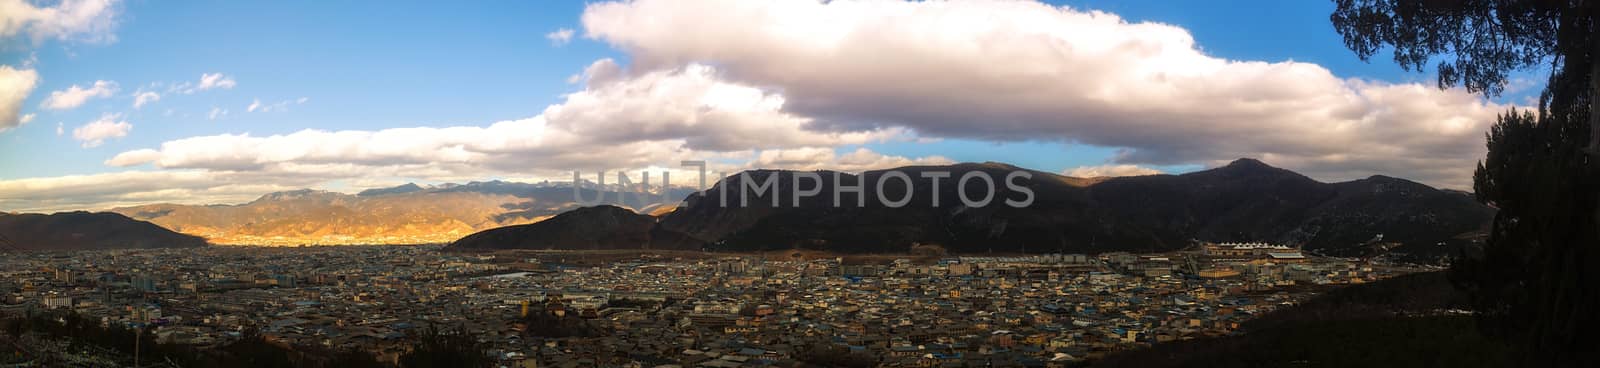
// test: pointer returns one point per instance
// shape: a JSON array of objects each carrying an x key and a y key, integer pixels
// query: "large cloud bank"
[
  {"x": 802, "y": 84},
  {"x": 1021, "y": 70}
]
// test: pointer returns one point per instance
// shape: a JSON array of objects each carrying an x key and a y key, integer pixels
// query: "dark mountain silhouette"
[
  {"x": 590, "y": 228},
  {"x": 89, "y": 231},
  {"x": 1246, "y": 200}
]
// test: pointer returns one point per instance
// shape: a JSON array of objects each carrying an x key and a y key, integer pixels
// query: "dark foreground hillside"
[
  {"x": 1398, "y": 322},
  {"x": 89, "y": 231}
]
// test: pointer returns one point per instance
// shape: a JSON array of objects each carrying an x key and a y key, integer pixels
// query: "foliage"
[
  {"x": 1486, "y": 39},
  {"x": 641, "y": 304},
  {"x": 1438, "y": 341},
  {"x": 1531, "y": 282},
  {"x": 1390, "y": 323},
  {"x": 435, "y": 348},
  {"x": 542, "y": 323},
  {"x": 252, "y": 348},
  {"x": 831, "y": 355}
]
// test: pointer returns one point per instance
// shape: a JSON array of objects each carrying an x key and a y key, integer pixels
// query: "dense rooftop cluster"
[{"x": 677, "y": 309}]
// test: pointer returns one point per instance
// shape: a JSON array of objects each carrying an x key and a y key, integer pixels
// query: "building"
[
  {"x": 54, "y": 302},
  {"x": 1218, "y": 272},
  {"x": 1246, "y": 249},
  {"x": 1290, "y": 257},
  {"x": 144, "y": 283}
]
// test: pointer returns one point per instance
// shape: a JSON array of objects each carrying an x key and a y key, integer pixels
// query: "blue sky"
[
  {"x": 362, "y": 66},
  {"x": 359, "y": 66}
]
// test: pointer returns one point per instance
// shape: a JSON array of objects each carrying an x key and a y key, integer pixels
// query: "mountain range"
[
  {"x": 1244, "y": 201},
  {"x": 405, "y": 214}
]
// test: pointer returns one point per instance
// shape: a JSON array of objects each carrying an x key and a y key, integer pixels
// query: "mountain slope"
[
  {"x": 407, "y": 214},
  {"x": 1243, "y": 201},
  {"x": 89, "y": 231},
  {"x": 1249, "y": 201},
  {"x": 588, "y": 228}
]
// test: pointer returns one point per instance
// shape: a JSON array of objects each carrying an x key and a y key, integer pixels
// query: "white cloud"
[
  {"x": 142, "y": 98},
  {"x": 559, "y": 37},
  {"x": 796, "y": 81},
  {"x": 637, "y": 123},
  {"x": 25, "y": 119},
  {"x": 75, "y": 96},
  {"x": 61, "y": 129},
  {"x": 134, "y": 157},
  {"x": 695, "y": 105},
  {"x": 66, "y": 20},
  {"x": 1025, "y": 71},
  {"x": 207, "y": 81},
  {"x": 95, "y": 133},
  {"x": 107, "y": 190},
  {"x": 599, "y": 72},
  {"x": 211, "y": 186},
  {"x": 216, "y": 112},
  {"x": 215, "y": 80},
  {"x": 652, "y": 118},
  {"x": 1109, "y": 170},
  {"x": 257, "y": 106},
  {"x": 33, "y": 59},
  {"x": 15, "y": 86}
]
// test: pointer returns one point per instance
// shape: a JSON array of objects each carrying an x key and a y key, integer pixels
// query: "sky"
[{"x": 107, "y": 103}]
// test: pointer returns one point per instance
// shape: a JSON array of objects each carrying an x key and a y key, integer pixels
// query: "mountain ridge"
[
  {"x": 82, "y": 230},
  {"x": 1246, "y": 200},
  {"x": 601, "y": 227}
]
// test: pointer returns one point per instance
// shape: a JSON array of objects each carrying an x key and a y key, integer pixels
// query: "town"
[{"x": 674, "y": 309}]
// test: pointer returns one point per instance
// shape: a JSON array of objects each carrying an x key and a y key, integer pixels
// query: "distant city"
[
  {"x": 799, "y": 184},
  {"x": 654, "y": 309}
]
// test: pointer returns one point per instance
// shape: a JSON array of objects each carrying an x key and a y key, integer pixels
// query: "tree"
[
  {"x": 830, "y": 355},
  {"x": 1481, "y": 41},
  {"x": 1530, "y": 282},
  {"x": 434, "y": 348}
]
